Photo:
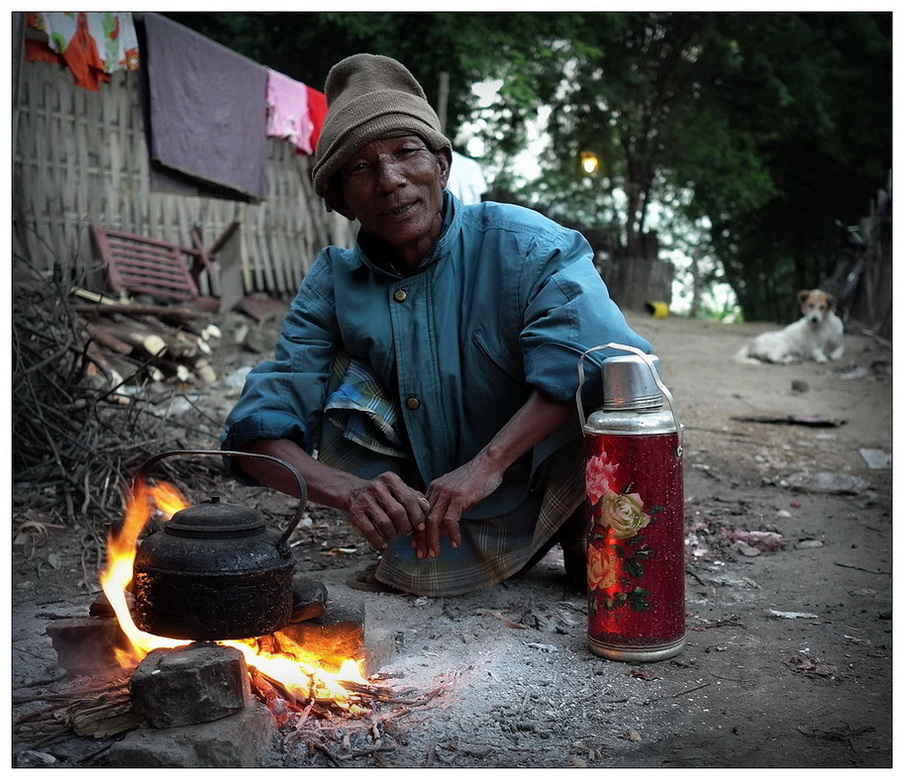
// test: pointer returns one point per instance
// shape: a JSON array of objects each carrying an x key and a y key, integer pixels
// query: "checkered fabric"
[{"x": 492, "y": 549}]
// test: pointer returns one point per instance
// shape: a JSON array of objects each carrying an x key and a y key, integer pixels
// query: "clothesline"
[
  {"x": 201, "y": 131},
  {"x": 92, "y": 45}
]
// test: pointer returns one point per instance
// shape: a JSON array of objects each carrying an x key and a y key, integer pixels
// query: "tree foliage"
[{"x": 764, "y": 128}]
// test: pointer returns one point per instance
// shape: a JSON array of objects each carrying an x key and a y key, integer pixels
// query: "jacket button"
[
  {"x": 400, "y": 296},
  {"x": 412, "y": 402}
]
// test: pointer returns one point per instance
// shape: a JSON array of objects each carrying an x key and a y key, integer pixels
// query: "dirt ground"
[{"x": 788, "y": 660}]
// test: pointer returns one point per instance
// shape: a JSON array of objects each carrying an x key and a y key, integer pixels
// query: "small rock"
[
  {"x": 633, "y": 736},
  {"x": 745, "y": 549},
  {"x": 762, "y": 541},
  {"x": 808, "y": 544},
  {"x": 799, "y": 386},
  {"x": 826, "y": 482},
  {"x": 876, "y": 458},
  {"x": 545, "y": 648},
  {"x": 791, "y": 615},
  {"x": 783, "y": 513},
  {"x": 34, "y": 758}
]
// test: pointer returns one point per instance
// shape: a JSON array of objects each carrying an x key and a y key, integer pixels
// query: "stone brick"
[
  {"x": 309, "y": 599},
  {"x": 331, "y": 638},
  {"x": 245, "y": 739},
  {"x": 199, "y": 683},
  {"x": 86, "y": 644},
  {"x": 380, "y": 648}
]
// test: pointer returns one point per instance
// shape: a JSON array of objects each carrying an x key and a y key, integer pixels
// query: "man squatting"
[{"x": 424, "y": 380}]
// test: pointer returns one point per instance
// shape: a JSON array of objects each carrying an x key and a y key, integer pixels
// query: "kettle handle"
[{"x": 302, "y": 487}]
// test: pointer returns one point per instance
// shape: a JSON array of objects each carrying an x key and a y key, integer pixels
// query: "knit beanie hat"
[{"x": 369, "y": 96}]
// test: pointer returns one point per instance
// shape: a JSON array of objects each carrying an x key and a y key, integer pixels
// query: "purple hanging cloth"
[{"x": 208, "y": 112}]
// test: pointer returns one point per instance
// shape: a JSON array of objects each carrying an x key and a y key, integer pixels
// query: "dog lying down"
[{"x": 818, "y": 335}]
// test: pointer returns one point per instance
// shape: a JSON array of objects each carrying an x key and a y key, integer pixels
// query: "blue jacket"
[{"x": 506, "y": 303}]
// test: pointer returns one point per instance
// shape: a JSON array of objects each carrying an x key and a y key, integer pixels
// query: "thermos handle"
[
  {"x": 302, "y": 487},
  {"x": 646, "y": 359}
]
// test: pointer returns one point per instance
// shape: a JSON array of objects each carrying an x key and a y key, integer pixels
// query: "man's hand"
[
  {"x": 452, "y": 494},
  {"x": 457, "y": 491},
  {"x": 385, "y": 507},
  {"x": 380, "y": 508}
]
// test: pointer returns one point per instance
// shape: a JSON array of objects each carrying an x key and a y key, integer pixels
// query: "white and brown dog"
[{"x": 818, "y": 335}]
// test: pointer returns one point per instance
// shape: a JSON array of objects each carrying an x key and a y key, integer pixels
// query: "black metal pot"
[{"x": 215, "y": 571}]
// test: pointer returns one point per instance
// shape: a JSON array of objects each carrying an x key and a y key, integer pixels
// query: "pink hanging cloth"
[{"x": 287, "y": 111}]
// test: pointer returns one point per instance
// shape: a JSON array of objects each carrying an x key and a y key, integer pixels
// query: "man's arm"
[
  {"x": 453, "y": 493},
  {"x": 380, "y": 508}
]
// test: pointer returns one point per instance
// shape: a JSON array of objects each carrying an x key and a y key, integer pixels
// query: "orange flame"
[{"x": 299, "y": 677}]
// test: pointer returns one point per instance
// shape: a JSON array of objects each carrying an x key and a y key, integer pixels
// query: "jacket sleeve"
[
  {"x": 283, "y": 398},
  {"x": 568, "y": 311}
]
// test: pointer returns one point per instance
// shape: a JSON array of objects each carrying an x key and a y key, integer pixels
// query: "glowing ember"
[{"x": 296, "y": 671}]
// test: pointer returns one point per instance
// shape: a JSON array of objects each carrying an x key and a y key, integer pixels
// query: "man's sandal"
[{"x": 366, "y": 580}]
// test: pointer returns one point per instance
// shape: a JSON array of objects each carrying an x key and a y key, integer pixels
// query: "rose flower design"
[
  {"x": 623, "y": 513},
  {"x": 601, "y": 568},
  {"x": 600, "y": 476}
]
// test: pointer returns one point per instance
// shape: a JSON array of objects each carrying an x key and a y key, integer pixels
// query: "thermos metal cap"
[{"x": 628, "y": 383}]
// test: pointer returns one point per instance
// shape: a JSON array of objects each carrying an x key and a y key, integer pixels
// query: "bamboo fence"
[{"x": 81, "y": 157}]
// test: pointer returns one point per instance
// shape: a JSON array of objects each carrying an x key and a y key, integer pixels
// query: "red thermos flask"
[{"x": 635, "y": 490}]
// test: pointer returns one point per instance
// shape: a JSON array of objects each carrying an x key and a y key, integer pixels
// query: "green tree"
[
  {"x": 765, "y": 127},
  {"x": 768, "y": 127},
  {"x": 829, "y": 155}
]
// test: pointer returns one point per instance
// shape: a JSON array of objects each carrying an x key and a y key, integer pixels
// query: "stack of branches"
[
  {"x": 78, "y": 437},
  {"x": 158, "y": 341}
]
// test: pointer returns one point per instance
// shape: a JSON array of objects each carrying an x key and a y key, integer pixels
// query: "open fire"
[{"x": 293, "y": 670}]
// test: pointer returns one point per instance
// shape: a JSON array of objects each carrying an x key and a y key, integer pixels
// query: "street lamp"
[{"x": 590, "y": 163}]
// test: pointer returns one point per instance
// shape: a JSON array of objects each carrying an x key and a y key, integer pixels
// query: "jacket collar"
[{"x": 369, "y": 252}]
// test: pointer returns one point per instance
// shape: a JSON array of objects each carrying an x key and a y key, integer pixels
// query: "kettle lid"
[{"x": 214, "y": 517}]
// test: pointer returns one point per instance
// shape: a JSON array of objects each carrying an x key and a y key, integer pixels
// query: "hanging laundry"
[
  {"x": 287, "y": 111},
  {"x": 317, "y": 113},
  {"x": 208, "y": 114},
  {"x": 466, "y": 179},
  {"x": 92, "y": 45}
]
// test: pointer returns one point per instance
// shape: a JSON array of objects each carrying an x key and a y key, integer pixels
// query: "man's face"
[{"x": 393, "y": 187}]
